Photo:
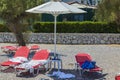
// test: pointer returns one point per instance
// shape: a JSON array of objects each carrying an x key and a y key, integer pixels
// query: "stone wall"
[{"x": 65, "y": 38}]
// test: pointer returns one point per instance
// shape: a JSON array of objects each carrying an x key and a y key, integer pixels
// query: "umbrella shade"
[{"x": 55, "y": 8}]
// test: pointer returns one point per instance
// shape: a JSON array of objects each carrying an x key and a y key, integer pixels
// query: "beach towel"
[
  {"x": 18, "y": 59},
  {"x": 30, "y": 65},
  {"x": 62, "y": 75},
  {"x": 88, "y": 65}
]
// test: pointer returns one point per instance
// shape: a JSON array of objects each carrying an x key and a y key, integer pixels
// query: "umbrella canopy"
[{"x": 55, "y": 8}]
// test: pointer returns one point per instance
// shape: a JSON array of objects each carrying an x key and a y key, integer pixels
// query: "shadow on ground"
[
  {"x": 94, "y": 76},
  {"x": 8, "y": 55},
  {"x": 8, "y": 70},
  {"x": 86, "y": 76}
]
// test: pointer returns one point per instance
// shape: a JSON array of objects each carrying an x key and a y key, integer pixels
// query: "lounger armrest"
[{"x": 37, "y": 66}]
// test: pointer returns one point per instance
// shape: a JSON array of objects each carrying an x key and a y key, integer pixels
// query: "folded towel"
[
  {"x": 29, "y": 65},
  {"x": 18, "y": 59}
]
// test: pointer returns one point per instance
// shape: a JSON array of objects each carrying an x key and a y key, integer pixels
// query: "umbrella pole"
[
  {"x": 55, "y": 23},
  {"x": 55, "y": 20}
]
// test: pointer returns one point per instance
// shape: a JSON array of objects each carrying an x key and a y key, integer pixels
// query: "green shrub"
[
  {"x": 75, "y": 27},
  {"x": 3, "y": 28}
]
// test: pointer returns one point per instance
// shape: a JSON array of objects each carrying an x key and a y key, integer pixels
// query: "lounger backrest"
[
  {"x": 41, "y": 55},
  {"x": 9, "y": 47},
  {"x": 35, "y": 47},
  {"x": 23, "y": 51},
  {"x": 117, "y": 77},
  {"x": 82, "y": 57}
]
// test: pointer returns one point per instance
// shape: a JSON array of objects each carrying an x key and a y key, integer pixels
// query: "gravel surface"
[{"x": 106, "y": 56}]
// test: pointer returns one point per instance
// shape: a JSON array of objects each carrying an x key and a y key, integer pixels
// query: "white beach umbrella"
[{"x": 55, "y": 8}]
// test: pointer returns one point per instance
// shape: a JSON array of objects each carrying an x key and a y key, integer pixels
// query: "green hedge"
[
  {"x": 76, "y": 27},
  {"x": 72, "y": 27}
]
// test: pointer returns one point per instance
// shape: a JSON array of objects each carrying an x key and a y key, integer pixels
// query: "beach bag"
[{"x": 88, "y": 65}]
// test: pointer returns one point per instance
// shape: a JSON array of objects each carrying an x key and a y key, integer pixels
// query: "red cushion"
[
  {"x": 14, "y": 48},
  {"x": 22, "y": 52},
  {"x": 41, "y": 55},
  {"x": 117, "y": 77},
  {"x": 34, "y": 47},
  {"x": 96, "y": 69},
  {"x": 9, "y": 63}
]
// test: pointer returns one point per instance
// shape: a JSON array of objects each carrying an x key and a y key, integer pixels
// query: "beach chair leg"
[
  {"x": 18, "y": 74},
  {"x": 81, "y": 72},
  {"x": 0, "y": 68},
  {"x": 48, "y": 66},
  {"x": 35, "y": 73},
  {"x": 76, "y": 66},
  {"x": 61, "y": 64}
]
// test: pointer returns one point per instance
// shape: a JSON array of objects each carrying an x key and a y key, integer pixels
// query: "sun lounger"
[
  {"x": 81, "y": 59},
  {"x": 117, "y": 77},
  {"x": 9, "y": 49},
  {"x": 39, "y": 61},
  {"x": 20, "y": 56}
]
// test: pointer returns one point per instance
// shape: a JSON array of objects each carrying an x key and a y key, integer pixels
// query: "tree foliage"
[
  {"x": 14, "y": 15},
  {"x": 109, "y": 11}
]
